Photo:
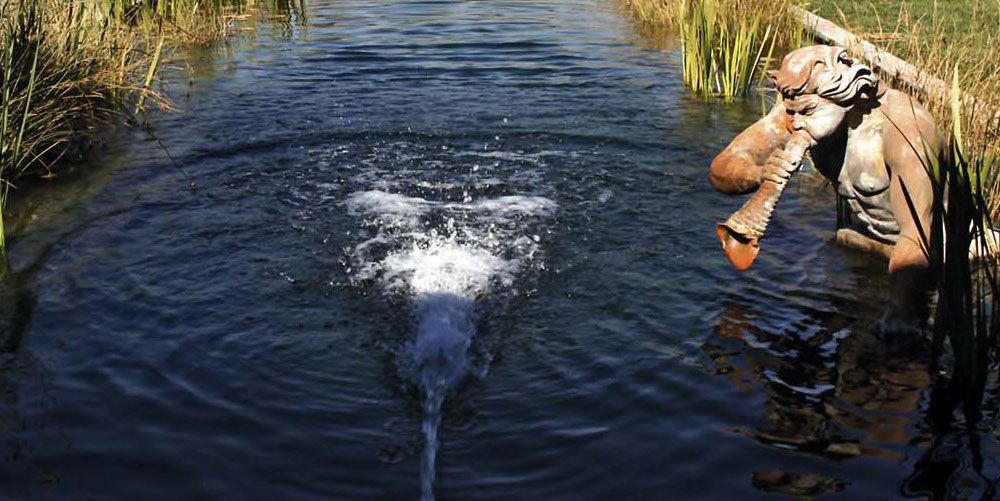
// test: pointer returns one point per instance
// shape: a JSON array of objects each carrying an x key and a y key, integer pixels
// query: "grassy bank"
[
  {"x": 69, "y": 68},
  {"x": 912, "y": 27}
]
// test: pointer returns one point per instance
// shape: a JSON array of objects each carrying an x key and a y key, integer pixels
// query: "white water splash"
[{"x": 443, "y": 257}]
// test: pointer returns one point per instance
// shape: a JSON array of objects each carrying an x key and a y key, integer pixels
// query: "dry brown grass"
[
  {"x": 772, "y": 13},
  {"x": 68, "y": 67},
  {"x": 661, "y": 12}
]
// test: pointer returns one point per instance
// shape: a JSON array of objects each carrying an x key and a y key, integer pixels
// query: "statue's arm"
[
  {"x": 910, "y": 138},
  {"x": 739, "y": 167},
  {"x": 906, "y": 149}
]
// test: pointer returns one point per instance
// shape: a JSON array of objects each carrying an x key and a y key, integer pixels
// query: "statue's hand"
[{"x": 779, "y": 167}]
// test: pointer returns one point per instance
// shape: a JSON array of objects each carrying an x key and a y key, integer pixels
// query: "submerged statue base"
[{"x": 854, "y": 239}]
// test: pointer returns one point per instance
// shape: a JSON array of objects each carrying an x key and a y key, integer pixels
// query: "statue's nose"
[
  {"x": 797, "y": 123},
  {"x": 792, "y": 124}
]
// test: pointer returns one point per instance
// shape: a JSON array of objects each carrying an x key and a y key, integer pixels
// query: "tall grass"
[
  {"x": 725, "y": 44},
  {"x": 663, "y": 12},
  {"x": 697, "y": 33},
  {"x": 68, "y": 68},
  {"x": 975, "y": 109},
  {"x": 722, "y": 53}
]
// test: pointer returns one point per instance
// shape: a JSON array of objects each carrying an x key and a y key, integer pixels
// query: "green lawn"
[{"x": 902, "y": 25}]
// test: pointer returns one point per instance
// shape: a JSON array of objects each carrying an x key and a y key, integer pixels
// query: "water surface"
[{"x": 463, "y": 248}]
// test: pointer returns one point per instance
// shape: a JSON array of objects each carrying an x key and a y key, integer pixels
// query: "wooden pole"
[{"x": 887, "y": 64}]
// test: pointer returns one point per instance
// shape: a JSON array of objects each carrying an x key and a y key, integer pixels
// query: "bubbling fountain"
[{"x": 443, "y": 255}]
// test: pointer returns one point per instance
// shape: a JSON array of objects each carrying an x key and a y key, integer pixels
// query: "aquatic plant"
[
  {"x": 69, "y": 67},
  {"x": 697, "y": 29},
  {"x": 963, "y": 254},
  {"x": 786, "y": 30},
  {"x": 721, "y": 54},
  {"x": 742, "y": 52}
]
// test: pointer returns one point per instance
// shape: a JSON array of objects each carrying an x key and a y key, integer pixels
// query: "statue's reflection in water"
[
  {"x": 831, "y": 393},
  {"x": 838, "y": 389}
]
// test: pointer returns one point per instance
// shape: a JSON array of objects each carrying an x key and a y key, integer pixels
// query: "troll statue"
[{"x": 871, "y": 141}]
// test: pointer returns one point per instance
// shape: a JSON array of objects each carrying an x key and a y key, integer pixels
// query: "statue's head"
[{"x": 820, "y": 85}]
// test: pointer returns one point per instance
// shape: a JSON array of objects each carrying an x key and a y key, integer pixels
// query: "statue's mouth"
[{"x": 740, "y": 249}]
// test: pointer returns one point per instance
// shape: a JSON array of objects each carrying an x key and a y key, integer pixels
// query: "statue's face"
[{"x": 819, "y": 117}]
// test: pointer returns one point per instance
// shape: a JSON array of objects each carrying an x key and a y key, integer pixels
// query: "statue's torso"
[{"x": 862, "y": 178}]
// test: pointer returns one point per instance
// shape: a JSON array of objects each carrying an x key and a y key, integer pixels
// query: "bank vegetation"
[{"x": 70, "y": 68}]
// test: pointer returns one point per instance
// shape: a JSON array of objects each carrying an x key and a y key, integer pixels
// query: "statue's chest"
[{"x": 864, "y": 173}]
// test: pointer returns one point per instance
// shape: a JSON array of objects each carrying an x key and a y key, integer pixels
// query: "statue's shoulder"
[
  {"x": 906, "y": 122},
  {"x": 895, "y": 101}
]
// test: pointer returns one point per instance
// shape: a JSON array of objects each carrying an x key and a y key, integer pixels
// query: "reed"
[
  {"x": 725, "y": 44},
  {"x": 742, "y": 52},
  {"x": 963, "y": 254},
  {"x": 697, "y": 29},
  {"x": 786, "y": 30},
  {"x": 70, "y": 67},
  {"x": 662, "y": 12},
  {"x": 722, "y": 53}
]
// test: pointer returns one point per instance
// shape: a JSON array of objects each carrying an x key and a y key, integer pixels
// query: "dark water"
[{"x": 455, "y": 247}]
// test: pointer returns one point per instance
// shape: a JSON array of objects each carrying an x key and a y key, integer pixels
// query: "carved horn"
[{"x": 741, "y": 233}]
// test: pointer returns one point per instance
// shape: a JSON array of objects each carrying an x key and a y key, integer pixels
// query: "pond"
[{"x": 450, "y": 248}]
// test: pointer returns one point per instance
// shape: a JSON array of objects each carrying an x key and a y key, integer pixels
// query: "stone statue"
[{"x": 871, "y": 141}]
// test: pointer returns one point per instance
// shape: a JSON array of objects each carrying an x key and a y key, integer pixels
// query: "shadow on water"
[
  {"x": 17, "y": 304},
  {"x": 954, "y": 465}
]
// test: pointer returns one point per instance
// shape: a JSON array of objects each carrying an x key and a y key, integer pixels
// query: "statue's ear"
[
  {"x": 772, "y": 74},
  {"x": 880, "y": 88}
]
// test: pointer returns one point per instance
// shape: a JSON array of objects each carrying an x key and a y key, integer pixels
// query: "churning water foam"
[{"x": 444, "y": 254}]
